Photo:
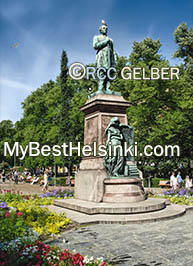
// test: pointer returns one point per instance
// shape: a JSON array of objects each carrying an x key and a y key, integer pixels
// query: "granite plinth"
[{"x": 123, "y": 190}]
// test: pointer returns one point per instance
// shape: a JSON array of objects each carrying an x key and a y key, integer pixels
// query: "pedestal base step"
[
  {"x": 93, "y": 208},
  {"x": 170, "y": 212}
]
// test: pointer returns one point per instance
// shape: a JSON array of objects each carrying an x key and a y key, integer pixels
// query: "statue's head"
[
  {"x": 115, "y": 121},
  {"x": 103, "y": 29}
]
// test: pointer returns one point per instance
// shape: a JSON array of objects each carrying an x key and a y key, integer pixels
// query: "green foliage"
[
  {"x": 184, "y": 39},
  {"x": 3, "y": 165},
  {"x": 181, "y": 200},
  {"x": 145, "y": 51},
  {"x": 27, "y": 212},
  {"x": 66, "y": 96},
  {"x": 11, "y": 225},
  {"x": 40, "y": 121},
  {"x": 7, "y": 132},
  {"x": 10, "y": 197},
  {"x": 60, "y": 181}
]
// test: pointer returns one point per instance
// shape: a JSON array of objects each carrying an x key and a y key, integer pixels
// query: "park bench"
[{"x": 164, "y": 183}]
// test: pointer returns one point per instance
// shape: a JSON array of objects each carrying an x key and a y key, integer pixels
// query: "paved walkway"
[
  {"x": 165, "y": 243},
  {"x": 28, "y": 188}
]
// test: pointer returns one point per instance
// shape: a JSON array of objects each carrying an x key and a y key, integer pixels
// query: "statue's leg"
[
  {"x": 120, "y": 163},
  {"x": 100, "y": 86},
  {"x": 108, "y": 84},
  {"x": 101, "y": 82}
]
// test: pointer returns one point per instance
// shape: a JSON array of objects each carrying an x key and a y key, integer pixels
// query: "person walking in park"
[
  {"x": 69, "y": 181},
  {"x": 3, "y": 176},
  {"x": 16, "y": 177},
  {"x": 179, "y": 179},
  {"x": 173, "y": 181},
  {"x": 45, "y": 187},
  {"x": 188, "y": 183}
]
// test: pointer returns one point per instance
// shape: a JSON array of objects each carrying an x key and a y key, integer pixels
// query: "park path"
[
  {"x": 28, "y": 188},
  {"x": 164, "y": 243}
]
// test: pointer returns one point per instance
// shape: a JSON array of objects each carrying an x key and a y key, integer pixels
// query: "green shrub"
[
  {"x": 12, "y": 225},
  {"x": 145, "y": 181},
  {"x": 10, "y": 196},
  {"x": 60, "y": 181}
]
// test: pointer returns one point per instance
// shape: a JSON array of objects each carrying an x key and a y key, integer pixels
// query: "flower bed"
[
  {"x": 18, "y": 213},
  {"x": 181, "y": 192},
  {"x": 59, "y": 193},
  {"x": 39, "y": 253},
  {"x": 182, "y": 196},
  {"x": 23, "y": 223}
]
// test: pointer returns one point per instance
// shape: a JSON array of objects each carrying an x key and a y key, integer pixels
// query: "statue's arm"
[
  {"x": 99, "y": 44},
  {"x": 115, "y": 57},
  {"x": 108, "y": 137}
]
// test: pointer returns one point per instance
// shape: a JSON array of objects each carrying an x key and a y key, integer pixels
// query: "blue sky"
[{"x": 44, "y": 27}]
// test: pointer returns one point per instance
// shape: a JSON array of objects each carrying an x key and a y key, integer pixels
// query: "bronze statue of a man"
[{"x": 105, "y": 57}]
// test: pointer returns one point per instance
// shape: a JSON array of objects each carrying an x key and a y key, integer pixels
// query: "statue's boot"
[{"x": 108, "y": 91}]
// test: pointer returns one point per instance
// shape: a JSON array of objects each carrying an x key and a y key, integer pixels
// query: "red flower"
[
  {"x": 103, "y": 264},
  {"x": 7, "y": 214},
  {"x": 19, "y": 213}
]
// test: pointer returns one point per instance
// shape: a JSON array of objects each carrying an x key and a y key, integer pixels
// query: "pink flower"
[
  {"x": 19, "y": 213},
  {"x": 7, "y": 214}
]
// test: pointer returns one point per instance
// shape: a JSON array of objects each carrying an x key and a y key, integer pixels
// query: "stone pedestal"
[
  {"x": 99, "y": 110},
  {"x": 123, "y": 190}
]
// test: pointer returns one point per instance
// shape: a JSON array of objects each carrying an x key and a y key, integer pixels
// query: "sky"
[{"x": 34, "y": 33}]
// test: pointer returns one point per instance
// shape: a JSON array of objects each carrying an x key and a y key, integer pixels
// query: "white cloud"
[
  {"x": 13, "y": 84},
  {"x": 150, "y": 30}
]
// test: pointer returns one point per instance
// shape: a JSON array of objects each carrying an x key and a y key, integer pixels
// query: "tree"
[
  {"x": 66, "y": 96},
  {"x": 40, "y": 122},
  {"x": 184, "y": 39},
  {"x": 145, "y": 51},
  {"x": 7, "y": 132},
  {"x": 152, "y": 103}
]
